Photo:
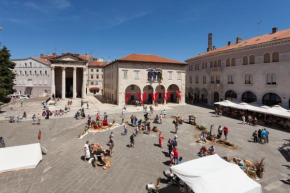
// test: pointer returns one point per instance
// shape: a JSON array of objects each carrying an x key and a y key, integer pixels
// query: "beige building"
[
  {"x": 144, "y": 78},
  {"x": 95, "y": 76},
  {"x": 252, "y": 70}
]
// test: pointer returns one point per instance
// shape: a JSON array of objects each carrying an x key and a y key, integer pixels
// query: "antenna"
[
  {"x": 259, "y": 27},
  {"x": 55, "y": 50}
]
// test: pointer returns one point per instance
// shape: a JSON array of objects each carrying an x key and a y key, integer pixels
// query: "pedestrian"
[
  {"x": 24, "y": 115},
  {"x": 160, "y": 117},
  {"x": 267, "y": 135},
  {"x": 176, "y": 126},
  {"x": 132, "y": 140},
  {"x": 136, "y": 130},
  {"x": 216, "y": 112},
  {"x": 175, "y": 151},
  {"x": 226, "y": 132},
  {"x": 264, "y": 134},
  {"x": 38, "y": 119},
  {"x": 98, "y": 116},
  {"x": 148, "y": 128},
  {"x": 135, "y": 120},
  {"x": 171, "y": 158},
  {"x": 255, "y": 135},
  {"x": 111, "y": 138},
  {"x": 87, "y": 105},
  {"x": 34, "y": 119},
  {"x": 87, "y": 151},
  {"x": 164, "y": 113},
  {"x": 122, "y": 111},
  {"x": 125, "y": 128},
  {"x": 243, "y": 119},
  {"x": 260, "y": 135},
  {"x": 132, "y": 119},
  {"x": 21, "y": 103},
  {"x": 111, "y": 148},
  {"x": 161, "y": 139},
  {"x": 220, "y": 132},
  {"x": 179, "y": 160},
  {"x": 89, "y": 121}
]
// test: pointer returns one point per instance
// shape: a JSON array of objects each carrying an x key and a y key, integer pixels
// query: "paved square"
[{"x": 63, "y": 170}]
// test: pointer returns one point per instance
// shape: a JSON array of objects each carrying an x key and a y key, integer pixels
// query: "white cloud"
[{"x": 50, "y": 4}]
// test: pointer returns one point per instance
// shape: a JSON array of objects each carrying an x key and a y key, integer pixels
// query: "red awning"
[{"x": 94, "y": 88}]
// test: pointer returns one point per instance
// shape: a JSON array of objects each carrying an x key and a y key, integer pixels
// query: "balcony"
[{"x": 214, "y": 69}]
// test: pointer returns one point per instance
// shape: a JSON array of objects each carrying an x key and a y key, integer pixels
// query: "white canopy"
[
  {"x": 212, "y": 174},
  {"x": 20, "y": 157}
]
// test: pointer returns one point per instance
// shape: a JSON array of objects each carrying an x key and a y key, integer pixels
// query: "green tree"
[{"x": 6, "y": 74}]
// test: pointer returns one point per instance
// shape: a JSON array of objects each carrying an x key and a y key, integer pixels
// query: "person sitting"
[
  {"x": 105, "y": 122},
  {"x": 156, "y": 120},
  {"x": 211, "y": 150},
  {"x": 203, "y": 151},
  {"x": 242, "y": 164},
  {"x": 203, "y": 137},
  {"x": 254, "y": 121},
  {"x": 249, "y": 119}
]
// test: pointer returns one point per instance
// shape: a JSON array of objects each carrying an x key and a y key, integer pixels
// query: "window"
[
  {"x": 219, "y": 63},
  {"x": 40, "y": 82},
  {"x": 97, "y": 76},
  {"x": 245, "y": 60},
  {"x": 215, "y": 63},
  {"x": 252, "y": 59},
  {"x": 92, "y": 82},
  {"x": 275, "y": 57},
  {"x": 30, "y": 65},
  {"x": 202, "y": 65},
  {"x": 35, "y": 82},
  {"x": 196, "y": 79},
  {"x": 136, "y": 74},
  {"x": 92, "y": 70},
  {"x": 20, "y": 72},
  {"x": 45, "y": 82},
  {"x": 233, "y": 63},
  {"x": 248, "y": 79},
  {"x": 271, "y": 99},
  {"x": 190, "y": 79},
  {"x": 230, "y": 79},
  {"x": 228, "y": 63},
  {"x": 25, "y": 65},
  {"x": 45, "y": 72},
  {"x": 97, "y": 70},
  {"x": 218, "y": 81},
  {"x": 125, "y": 74},
  {"x": 267, "y": 58},
  {"x": 102, "y": 70},
  {"x": 35, "y": 72},
  {"x": 212, "y": 79},
  {"x": 211, "y": 64},
  {"x": 92, "y": 76},
  {"x": 169, "y": 75},
  {"x": 204, "y": 79},
  {"x": 179, "y": 75},
  {"x": 205, "y": 65},
  {"x": 40, "y": 72},
  {"x": 30, "y": 72},
  {"x": 271, "y": 78},
  {"x": 25, "y": 72}
]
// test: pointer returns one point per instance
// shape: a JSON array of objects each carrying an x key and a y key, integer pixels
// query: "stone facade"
[
  {"x": 248, "y": 74},
  {"x": 121, "y": 77},
  {"x": 95, "y": 76},
  {"x": 33, "y": 77}
]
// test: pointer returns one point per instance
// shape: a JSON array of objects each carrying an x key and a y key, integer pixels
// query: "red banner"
[
  {"x": 144, "y": 97},
  {"x": 152, "y": 95},
  {"x": 139, "y": 96},
  {"x": 167, "y": 96},
  {"x": 178, "y": 94},
  {"x": 156, "y": 96},
  {"x": 128, "y": 94}
]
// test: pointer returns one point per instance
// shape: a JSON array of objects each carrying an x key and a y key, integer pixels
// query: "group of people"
[
  {"x": 80, "y": 113},
  {"x": 36, "y": 119},
  {"x": 249, "y": 120},
  {"x": 204, "y": 151},
  {"x": 173, "y": 151},
  {"x": 261, "y": 136}
]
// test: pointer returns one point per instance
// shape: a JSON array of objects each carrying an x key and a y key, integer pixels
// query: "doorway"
[
  {"x": 69, "y": 87},
  {"x": 216, "y": 97}
]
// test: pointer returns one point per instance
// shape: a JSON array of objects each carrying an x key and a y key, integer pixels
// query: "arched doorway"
[
  {"x": 216, "y": 97},
  {"x": 190, "y": 93},
  {"x": 131, "y": 94},
  {"x": 149, "y": 90},
  {"x": 203, "y": 93},
  {"x": 173, "y": 96},
  {"x": 196, "y": 94},
  {"x": 160, "y": 89},
  {"x": 271, "y": 99},
  {"x": 231, "y": 95},
  {"x": 249, "y": 97}
]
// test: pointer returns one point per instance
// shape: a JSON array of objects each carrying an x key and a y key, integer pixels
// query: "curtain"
[
  {"x": 139, "y": 96},
  {"x": 156, "y": 96},
  {"x": 178, "y": 94},
  {"x": 128, "y": 94},
  {"x": 144, "y": 97}
]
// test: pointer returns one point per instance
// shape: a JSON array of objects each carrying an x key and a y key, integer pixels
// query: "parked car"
[{"x": 23, "y": 97}]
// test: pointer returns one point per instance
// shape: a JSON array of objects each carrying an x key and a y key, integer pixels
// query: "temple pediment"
[{"x": 70, "y": 58}]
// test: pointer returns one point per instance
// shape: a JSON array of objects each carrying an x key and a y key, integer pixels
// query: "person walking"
[
  {"x": 111, "y": 138},
  {"x": 135, "y": 120},
  {"x": 169, "y": 146},
  {"x": 164, "y": 113},
  {"x": 260, "y": 135},
  {"x": 175, "y": 152},
  {"x": 226, "y": 132},
  {"x": 125, "y": 128},
  {"x": 87, "y": 151},
  {"x": 136, "y": 131},
  {"x": 264, "y": 134},
  {"x": 132, "y": 140},
  {"x": 24, "y": 114},
  {"x": 34, "y": 119},
  {"x": 220, "y": 132},
  {"x": 176, "y": 126},
  {"x": 243, "y": 119},
  {"x": 267, "y": 136},
  {"x": 160, "y": 118},
  {"x": 161, "y": 139},
  {"x": 255, "y": 135},
  {"x": 132, "y": 119},
  {"x": 38, "y": 118}
]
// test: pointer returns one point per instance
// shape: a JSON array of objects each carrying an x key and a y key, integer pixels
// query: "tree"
[{"x": 7, "y": 75}]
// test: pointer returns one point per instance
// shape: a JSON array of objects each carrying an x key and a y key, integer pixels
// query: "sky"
[{"x": 111, "y": 29}]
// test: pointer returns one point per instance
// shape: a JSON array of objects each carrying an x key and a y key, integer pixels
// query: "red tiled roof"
[
  {"x": 249, "y": 42},
  {"x": 48, "y": 56},
  {"x": 148, "y": 58},
  {"x": 85, "y": 57},
  {"x": 42, "y": 60},
  {"x": 96, "y": 63}
]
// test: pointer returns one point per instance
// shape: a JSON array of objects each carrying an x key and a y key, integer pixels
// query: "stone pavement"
[{"x": 63, "y": 170}]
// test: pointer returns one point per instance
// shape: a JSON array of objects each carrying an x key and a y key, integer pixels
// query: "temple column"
[
  {"x": 84, "y": 83},
  {"x": 75, "y": 82},
  {"x": 52, "y": 84},
  {"x": 63, "y": 83}
]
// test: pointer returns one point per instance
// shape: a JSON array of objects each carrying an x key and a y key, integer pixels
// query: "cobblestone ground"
[{"x": 63, "y": 170}]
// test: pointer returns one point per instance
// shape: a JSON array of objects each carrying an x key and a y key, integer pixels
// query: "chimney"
[
  {"x": 213, "y": 48},
  {"x": 238, "y": 40},
  {"x": 209, "y": 48},
  {"x": 274, "y": 29},
  {"x": 229, "y": 43},
  {"x": 41, "y": 55}
]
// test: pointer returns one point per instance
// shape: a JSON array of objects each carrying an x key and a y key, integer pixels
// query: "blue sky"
[{"x": 111, "y": 29}]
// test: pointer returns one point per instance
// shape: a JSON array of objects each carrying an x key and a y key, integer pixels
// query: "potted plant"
[{"x": 260, "y": 166}]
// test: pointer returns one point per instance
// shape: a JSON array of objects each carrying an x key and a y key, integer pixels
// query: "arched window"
[
  {"x": 248, "y": 79},
  {"x": 218, "y": 79},
  {"x": 212, "y": 79},
  {"x": 271, "y": 78},
  {"x": 230, "y": 95},
  {"x": 245, "y": 60},
  {"x": 275, "y": 57},
  {"x": 252, "y": 59},
  {"x": 267, "y": 58},
  {"x": 230, "y": 79},
  {"x": 205, "y": 65},
  {"x": 211, "y": 64},
  {"x": 233, "y": 62},
  {"x": 219, "y": 63},
  {"x": 249, "y": 97},
  {"x": 202, "y": 65},
  {"x": 228, "y": 62},
  {"x": 215, "y": 63},
  {"x": 271, "y": 99}
]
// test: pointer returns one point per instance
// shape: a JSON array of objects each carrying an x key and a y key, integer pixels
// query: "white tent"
[
  {"x": 212, "y": 174},
  {"x": 20, "y": 157}
]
